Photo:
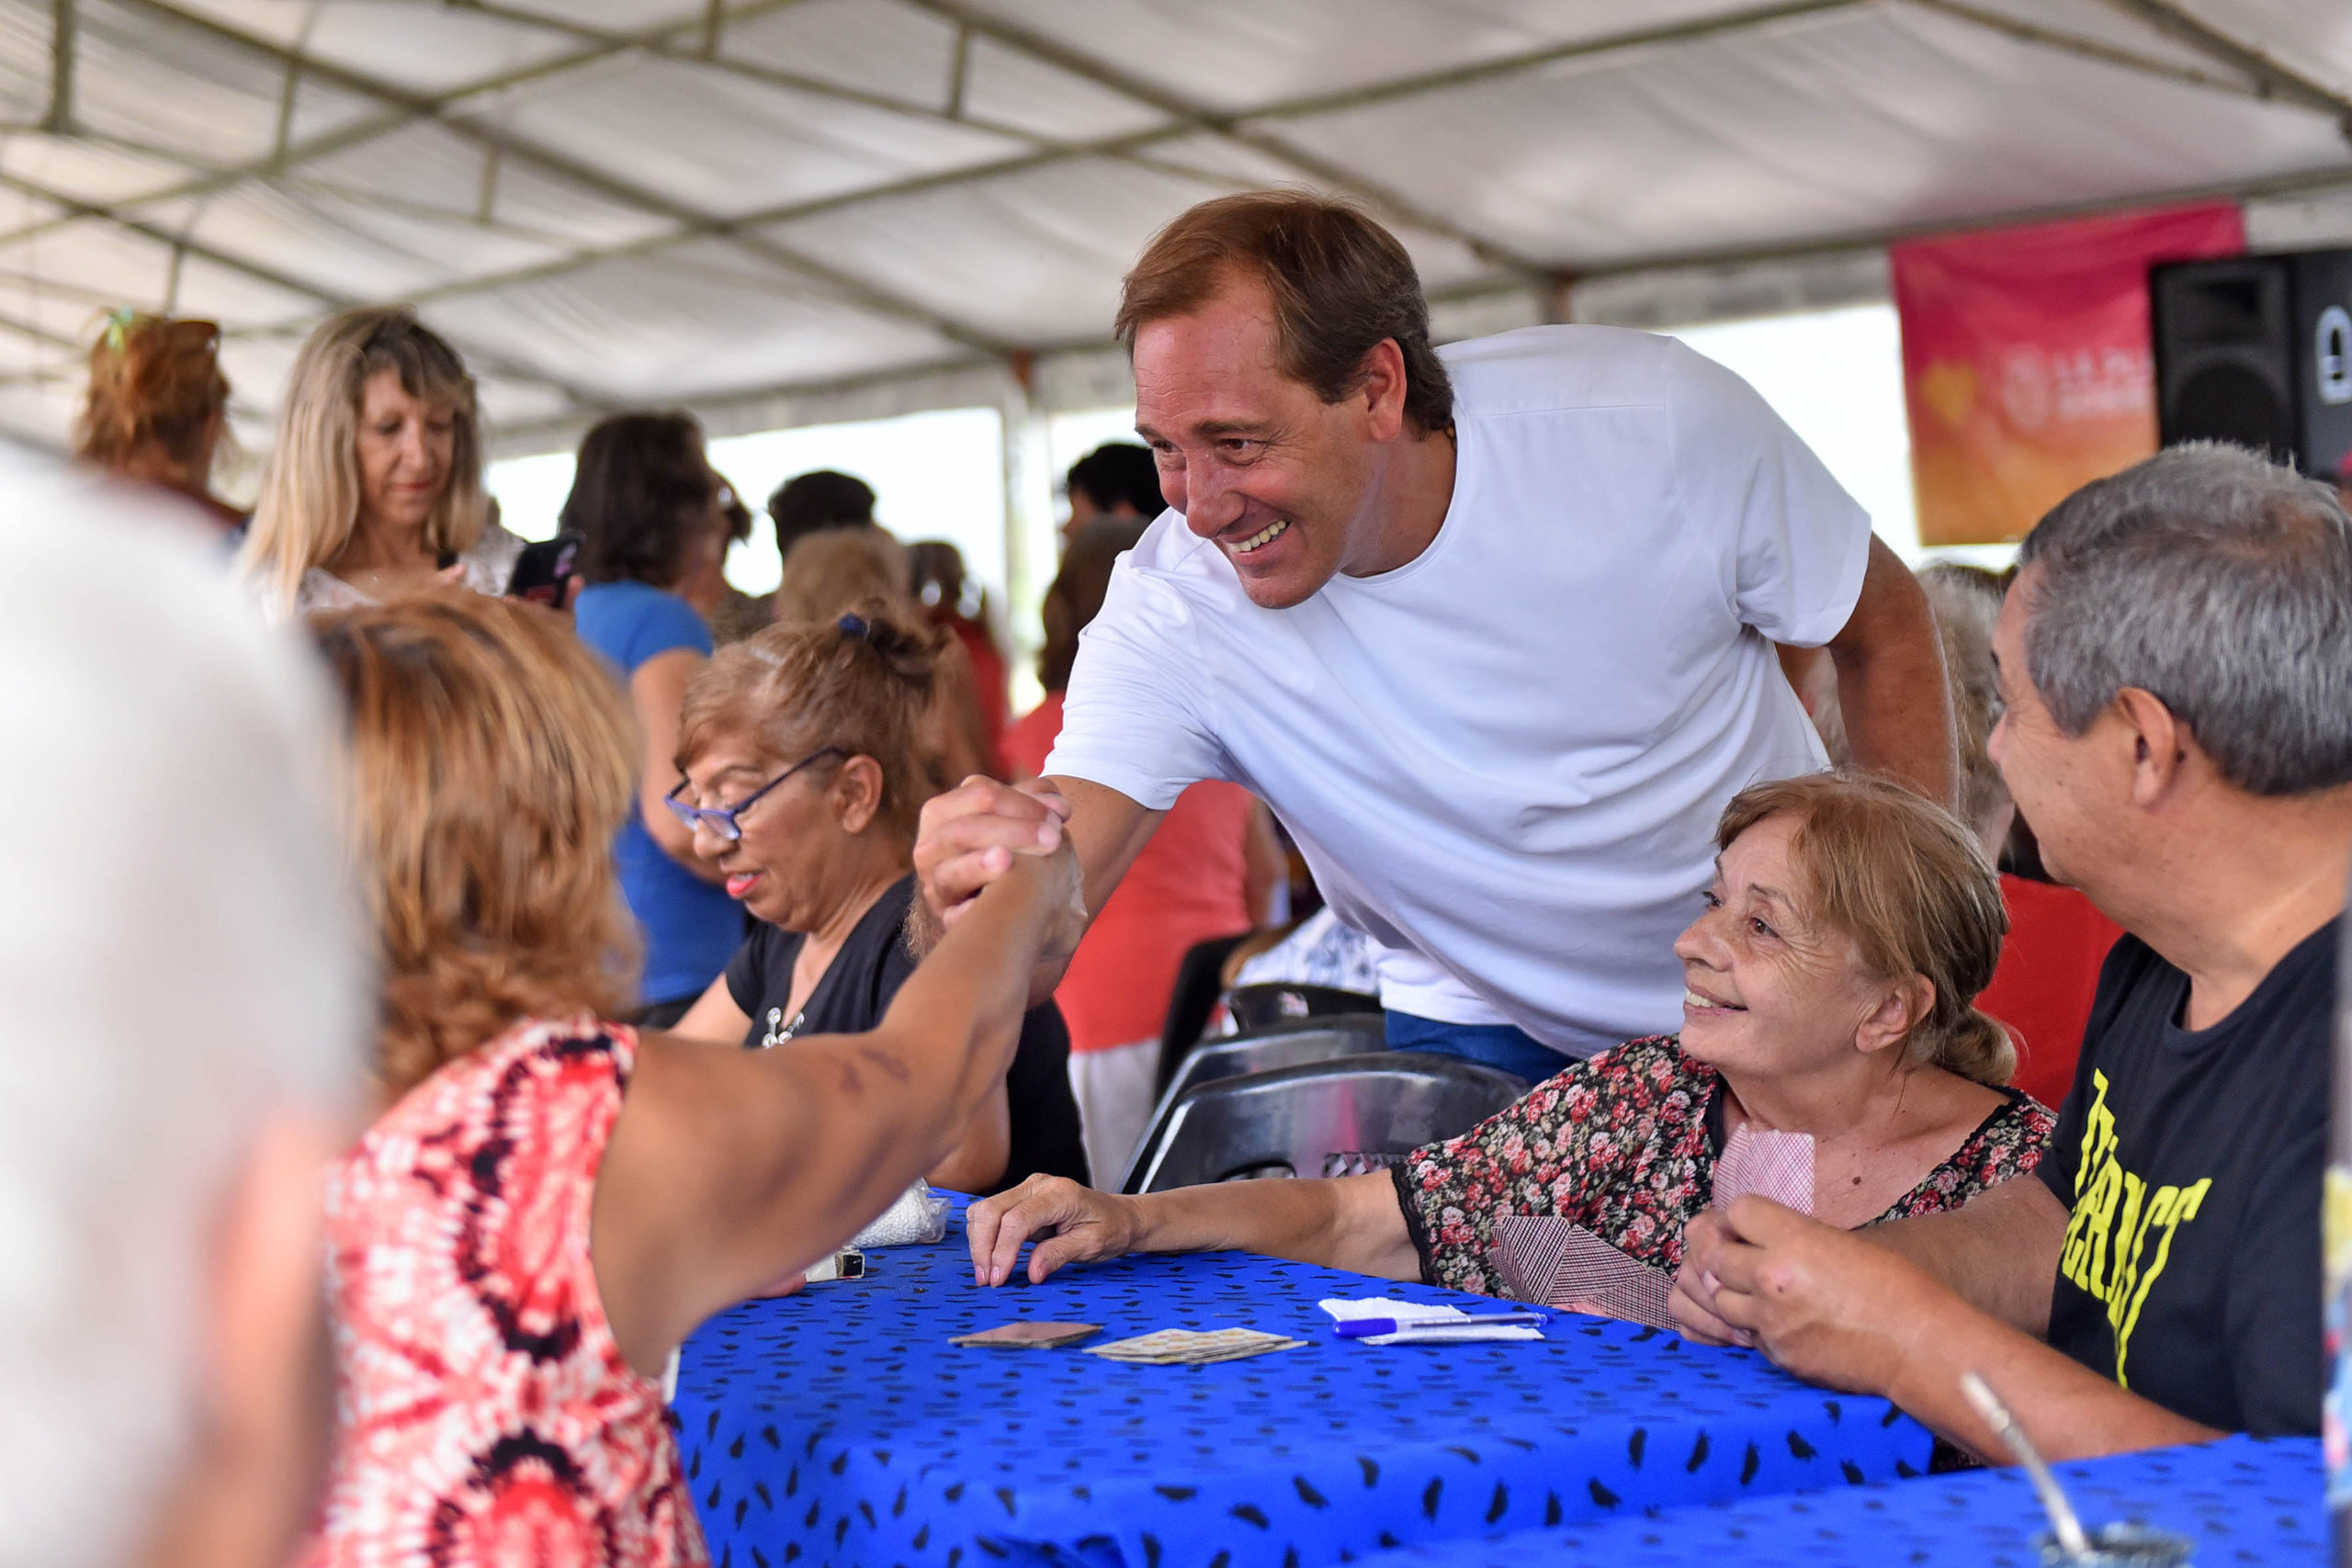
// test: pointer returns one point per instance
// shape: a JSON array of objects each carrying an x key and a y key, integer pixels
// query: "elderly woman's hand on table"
[
  {"x": 1347, "y": 1222},
  {"x": 1076, "y": 1224}
]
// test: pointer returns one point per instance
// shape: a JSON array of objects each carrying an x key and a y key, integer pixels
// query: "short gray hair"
[
  {"x": 169, "y": 982},
  {"x": 2221, "y": 585}
]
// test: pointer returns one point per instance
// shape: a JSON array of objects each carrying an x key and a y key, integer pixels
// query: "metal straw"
[{"x": 2062, "y": 1522}]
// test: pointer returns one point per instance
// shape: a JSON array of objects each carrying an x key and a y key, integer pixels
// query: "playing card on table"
[
  {"x": 1029, "y": 1336},
  {"x": 1777, "y": 1166},
  {"x": 1542, "y": 1257},
  {"x": 1187, "y": 1346}
]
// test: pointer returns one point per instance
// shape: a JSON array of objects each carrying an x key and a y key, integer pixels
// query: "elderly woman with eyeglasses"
[{"x": 804, "y": 769}]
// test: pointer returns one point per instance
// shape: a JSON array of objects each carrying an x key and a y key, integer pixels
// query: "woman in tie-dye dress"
[{"x": 549, "y": 1203}]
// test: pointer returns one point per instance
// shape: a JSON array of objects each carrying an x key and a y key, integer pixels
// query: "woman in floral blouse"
[{"x": 1830, "y": 975}]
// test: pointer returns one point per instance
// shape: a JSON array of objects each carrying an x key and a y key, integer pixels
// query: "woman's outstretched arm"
[{"x": 728, "y": 1169}]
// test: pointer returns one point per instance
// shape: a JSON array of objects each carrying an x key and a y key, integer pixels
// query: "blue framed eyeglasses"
[{"x": 722, "y": 819}]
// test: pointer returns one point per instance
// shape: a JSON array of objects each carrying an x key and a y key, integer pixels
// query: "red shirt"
[
  {"x": 2047, "y": 973},
  {"x": 1186, "y": 887},
  {"x": 987, "y": 678}
]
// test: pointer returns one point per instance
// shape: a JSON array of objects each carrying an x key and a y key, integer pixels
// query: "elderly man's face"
[
  {"x": 1280, "y": 480},
  {"x": 2059, "y": 780}
]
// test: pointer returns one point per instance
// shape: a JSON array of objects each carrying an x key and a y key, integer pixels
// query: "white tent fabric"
[{"x": 762, "y": 208}]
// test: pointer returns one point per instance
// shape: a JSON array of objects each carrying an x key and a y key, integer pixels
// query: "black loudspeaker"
[{"x": 2257, "y": 350}]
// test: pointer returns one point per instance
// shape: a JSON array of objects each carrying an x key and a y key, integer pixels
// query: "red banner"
[{"x": 2027, "y": 366}]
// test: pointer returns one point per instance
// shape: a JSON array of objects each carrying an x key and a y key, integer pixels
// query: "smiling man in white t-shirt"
[{"x": 1492, "y": 631}]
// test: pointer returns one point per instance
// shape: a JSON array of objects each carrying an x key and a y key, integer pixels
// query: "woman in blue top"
[{"x": 653, "y": 528}]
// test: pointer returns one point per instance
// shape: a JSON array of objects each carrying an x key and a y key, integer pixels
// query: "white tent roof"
[{"x": 772, "y": 207}]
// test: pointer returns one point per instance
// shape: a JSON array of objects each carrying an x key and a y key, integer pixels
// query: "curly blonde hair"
[{"x": 491, "y": 759}]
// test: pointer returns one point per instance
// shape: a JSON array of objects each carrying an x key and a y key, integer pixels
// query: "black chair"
[
  {"x": 1254, "y": 1006},
  {"x": 1340, "y": 1117},
  {"x": 1200, "y": 980},
  {"x": 1285, "y": 1044}
]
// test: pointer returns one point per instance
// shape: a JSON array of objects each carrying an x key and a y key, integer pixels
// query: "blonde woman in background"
[
  {"x": 374, "y": 491},
  {"x": 157, "y": 406}
]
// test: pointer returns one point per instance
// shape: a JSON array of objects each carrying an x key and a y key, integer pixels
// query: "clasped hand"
[{"x": 970, "y": 835}]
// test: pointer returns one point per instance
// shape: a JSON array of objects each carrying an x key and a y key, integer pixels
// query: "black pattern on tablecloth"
[
  {"x": 840, "y": 1426},
  {"x": 2242, "y": 1501}
]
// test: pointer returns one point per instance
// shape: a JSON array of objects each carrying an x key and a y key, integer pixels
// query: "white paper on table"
[{"x": 1420, "y": 1313}]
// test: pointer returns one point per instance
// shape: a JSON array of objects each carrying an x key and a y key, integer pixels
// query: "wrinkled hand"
[
  {"x": 1074, "y": 1224},
  {"x": 1823, "y": 1302},
  {"x": 970, "y": 835},
  {"x": 1694, "y": 1287}
]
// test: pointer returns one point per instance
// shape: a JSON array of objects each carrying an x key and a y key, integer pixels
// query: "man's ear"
[
  {"x": 2160, "y": 744},
  {"x": 1380, "y": 381},
  {"x": 857, "y": 792},
  {"x": 1905, "y": 1006}
]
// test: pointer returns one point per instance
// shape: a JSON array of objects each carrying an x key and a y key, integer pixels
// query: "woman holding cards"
[{"x": 1829, "y": 1057}]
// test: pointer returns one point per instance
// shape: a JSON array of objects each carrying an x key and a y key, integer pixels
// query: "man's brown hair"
[{"x": 1339, "y": 281}]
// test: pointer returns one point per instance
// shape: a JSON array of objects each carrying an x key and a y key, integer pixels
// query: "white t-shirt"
[{"x": 1505, "y": 759}]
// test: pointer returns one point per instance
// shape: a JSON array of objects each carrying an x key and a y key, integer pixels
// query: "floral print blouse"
[{"x": 1625, "y": 1145}]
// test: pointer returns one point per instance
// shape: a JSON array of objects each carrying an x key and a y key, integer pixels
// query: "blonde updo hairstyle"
[
  {"x": 492, "y": 761},
  {"x": 1912, "y": 887},
  {"x": 863, "y": 681},
  {"x": 156, "y": 389},
  {"x": 309, "y": 498}
]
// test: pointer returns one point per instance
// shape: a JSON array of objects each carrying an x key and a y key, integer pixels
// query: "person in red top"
[
  {"x": 1207, "y": 873},
  {"x": 951, "y": 599}
]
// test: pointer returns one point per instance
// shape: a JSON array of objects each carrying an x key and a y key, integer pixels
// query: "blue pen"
[{"x": 1367, "y": 1327}]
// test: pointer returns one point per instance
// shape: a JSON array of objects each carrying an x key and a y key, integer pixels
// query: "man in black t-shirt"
[
  {"x": 2175, "y": 662},
  {"x": 2189, "y": 1161}
]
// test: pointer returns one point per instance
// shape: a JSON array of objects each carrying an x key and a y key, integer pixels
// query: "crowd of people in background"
[{"x": 673, "y": 933}]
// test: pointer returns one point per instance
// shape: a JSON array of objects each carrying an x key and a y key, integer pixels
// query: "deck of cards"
[
  {"x": 1029, "y": 1336},
  {"x": 1185, "y": 1347}
]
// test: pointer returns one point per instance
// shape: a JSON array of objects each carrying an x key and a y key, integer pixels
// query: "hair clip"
[
  {"x": 853, "y": 625},
  {"x": 120, "y": 321}
]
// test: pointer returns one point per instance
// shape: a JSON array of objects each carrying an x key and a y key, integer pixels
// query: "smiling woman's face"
[{"x": 1770, "y": 989}]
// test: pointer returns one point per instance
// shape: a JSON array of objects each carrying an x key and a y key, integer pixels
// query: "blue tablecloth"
[
  {"x": 839, "y": 1426},
  {"x": 2242, "y": 1500}
]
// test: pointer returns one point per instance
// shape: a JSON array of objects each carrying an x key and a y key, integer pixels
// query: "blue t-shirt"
[{"x": 691, "y": 927}]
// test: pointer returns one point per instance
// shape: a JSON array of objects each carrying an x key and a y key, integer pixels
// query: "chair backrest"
[
  {"x": 1346, "y": 1115},
  {"x": 1286, "y": 1044},
  {"x": 1254, "y": 1006}
]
